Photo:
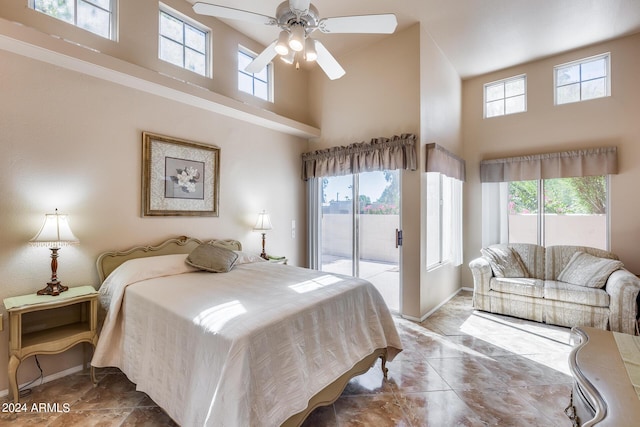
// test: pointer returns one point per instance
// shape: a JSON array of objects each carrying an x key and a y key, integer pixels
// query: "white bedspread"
[{"x": 243, "y": 348}]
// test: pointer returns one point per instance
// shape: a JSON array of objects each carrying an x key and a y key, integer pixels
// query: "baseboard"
[
  {"x": 46, "y": 379},
  {"x": 426, "y": 315}
]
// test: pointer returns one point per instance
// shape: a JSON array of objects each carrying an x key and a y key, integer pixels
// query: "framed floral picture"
[{"x": 179, "y": 177}]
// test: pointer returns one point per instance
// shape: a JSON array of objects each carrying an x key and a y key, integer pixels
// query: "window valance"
[
  {"x": 439, "y": 159},
  {"x": 398, "y": 152},
  {"x": 565, "y": 164}
]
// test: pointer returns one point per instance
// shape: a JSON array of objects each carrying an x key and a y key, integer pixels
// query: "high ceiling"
[{"x": 477, "y": 36}]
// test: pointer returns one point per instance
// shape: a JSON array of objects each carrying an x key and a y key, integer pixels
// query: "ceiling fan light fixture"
[
  {"x": 296, "y": 41},
  {"x": 310, "y": 53},
  {"x": 289, "y": 57},
  {"x": 297, "y": 20},
  {"x": 281, "y": 45}
]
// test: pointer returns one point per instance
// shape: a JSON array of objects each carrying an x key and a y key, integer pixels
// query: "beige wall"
[
  {"x": 73, "y": 142},
  {"x": 377, "y": 97},
  {"x": 440, "y": 122},
  {"x": 138, "y": 44},
  {"x": 611, "y": 121},
  {"x": 403, "y": 84}
]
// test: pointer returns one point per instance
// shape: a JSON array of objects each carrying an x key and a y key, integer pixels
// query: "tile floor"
[{"x": 458, "y": 368}]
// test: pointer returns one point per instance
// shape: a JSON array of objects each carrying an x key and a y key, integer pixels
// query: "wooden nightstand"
[{"x": 45, "y": 324}]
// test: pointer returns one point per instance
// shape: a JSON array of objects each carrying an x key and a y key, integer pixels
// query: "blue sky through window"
[{"x": 372, "y": 184}]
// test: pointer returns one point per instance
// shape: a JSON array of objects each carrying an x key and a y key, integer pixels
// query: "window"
[
  {"x": 548, "y": 199},
  {"x": 257, "y": 84},
  {"x": 183, "y": 42},
  {"x": 581, "y": 80},
  {"x": 96, "y": 16},
  {"x": 434, "y": 219},
  {"x": 559, "y": 211},
  {"x": 506, "y": 96},
  {"x": 444, "y": 220}
]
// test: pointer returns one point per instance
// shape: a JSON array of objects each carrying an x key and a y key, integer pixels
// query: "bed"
[{"x": 263, "y": 344}]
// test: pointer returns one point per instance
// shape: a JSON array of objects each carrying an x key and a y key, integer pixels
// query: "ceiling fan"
[{"x": 297, "y": 19}]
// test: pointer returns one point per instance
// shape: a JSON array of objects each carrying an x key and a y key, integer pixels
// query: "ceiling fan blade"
[
  {"x": 231, "y": 13},
  {"x": 263, "y": 59},
  {"x": 328, "y": 63},
  {"x": 372, "y": 24},
  {"x": 299, "y": 6}
]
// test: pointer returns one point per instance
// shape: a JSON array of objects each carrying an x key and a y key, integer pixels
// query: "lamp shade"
[
  {"x": 310, "y": 53},
  {"x": 296, "y": 41},
  {"x": 55, "y": 232},
  {"x": 281, "y": 45},
  {"x": 264, "y": 222},
  {"x": 289, "y": 57}
]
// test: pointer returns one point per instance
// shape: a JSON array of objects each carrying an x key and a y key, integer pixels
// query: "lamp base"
[
  {"x": 264, "y": 254},
  {"x": 53, "y": 288}
]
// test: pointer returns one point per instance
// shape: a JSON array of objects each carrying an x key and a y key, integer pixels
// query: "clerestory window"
[
  {"x": 96, "y": 16},
  {"x": 584, "y": 79},
  {"x": 256, "y": 84},
  {"x": 507, "y": 96},
  {"x": 183, "y": 42}
]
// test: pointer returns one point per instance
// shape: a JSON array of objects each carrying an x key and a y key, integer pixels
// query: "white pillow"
[
  {"x": 588, "y": 270},
  {"x": 505, "y": 262},
  {"x": 246, "y": 258}
]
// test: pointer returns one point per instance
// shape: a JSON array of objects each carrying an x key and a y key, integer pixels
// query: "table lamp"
[
  {"x": 54, "y": 234},
  {"x": 263, "y": 224}
]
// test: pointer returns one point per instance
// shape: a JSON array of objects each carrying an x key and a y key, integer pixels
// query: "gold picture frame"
[{"x": 179, "y": 177}]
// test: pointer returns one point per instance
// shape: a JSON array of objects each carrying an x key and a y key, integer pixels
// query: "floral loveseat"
[{"x": 560, "y": 285}]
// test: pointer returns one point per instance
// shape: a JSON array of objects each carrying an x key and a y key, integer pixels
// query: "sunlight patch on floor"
[{"x": 544, "y": 344}]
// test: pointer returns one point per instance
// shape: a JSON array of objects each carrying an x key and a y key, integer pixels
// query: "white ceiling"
[{"x": 477, "y": 36}]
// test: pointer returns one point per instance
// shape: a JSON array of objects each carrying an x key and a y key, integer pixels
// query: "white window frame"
[
  {"x": 433, "y": 233},
  {"x": 540, "y": 215},
  {"x": 111, "y": 11},
  {"x": 243, "y": 50},
  {"x": 449, "y": 242},
  {"x": 186, "y": 21},
  {"x": 504, "y": 98},
  {"x": 606, "y": 56}
]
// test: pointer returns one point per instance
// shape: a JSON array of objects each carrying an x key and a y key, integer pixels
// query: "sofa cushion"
[
  {"x": 518, "y": 286},
  {"x": 505, "y": 262},
  {"x": 557, "y": 257},
  {"x": 566, "y": 292},
  {"x": 569, "y": 314},
  {"x": 588, "y": 270},
  {"x": 533, "y": 258}
]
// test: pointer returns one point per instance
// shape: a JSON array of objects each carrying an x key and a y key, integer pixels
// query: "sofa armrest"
[
  {"x": 482, "y": 274},
  {"x": 623, "y": 287}
]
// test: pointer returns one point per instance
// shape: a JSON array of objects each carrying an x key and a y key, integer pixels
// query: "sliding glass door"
[
  {"x": 336, "y": 235},
  {"x": 359, "y": 220}
]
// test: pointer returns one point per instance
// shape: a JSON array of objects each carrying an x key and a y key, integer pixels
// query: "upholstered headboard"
[{"x": 109, "y": 261}]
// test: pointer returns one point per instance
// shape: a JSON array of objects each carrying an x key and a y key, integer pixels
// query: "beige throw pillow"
[
  {"x": 588, "y": 270},
  {"x": 212, "y": 258},
  {"x": 505, "y": 262}
]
